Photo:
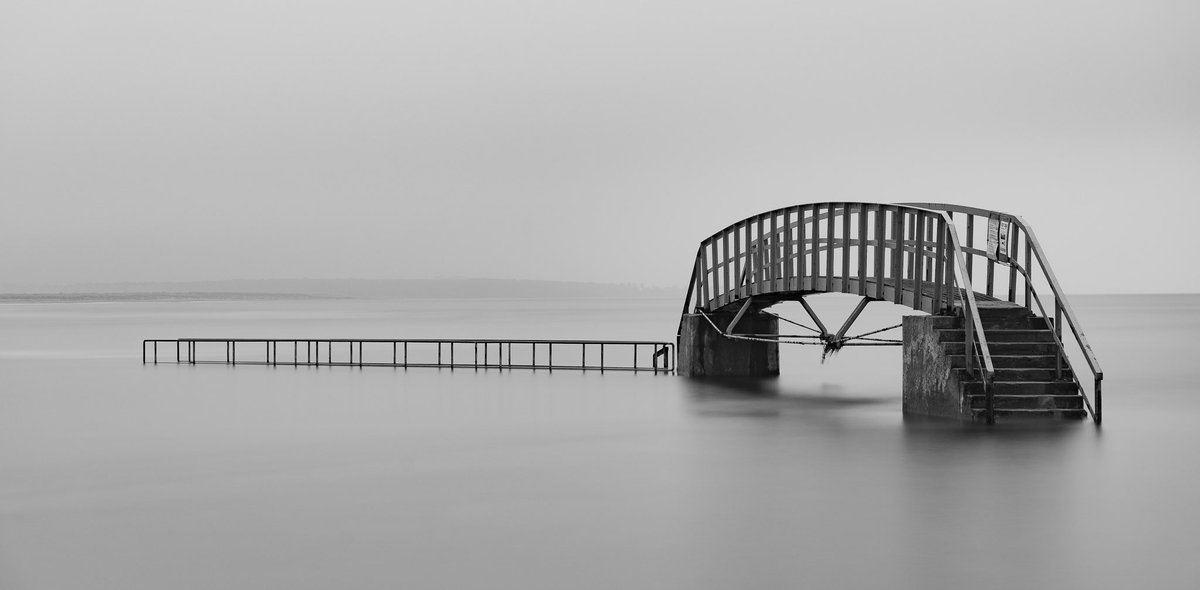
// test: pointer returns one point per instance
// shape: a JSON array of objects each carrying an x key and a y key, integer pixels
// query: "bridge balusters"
[
  {"x": 897, "y": 271},
  {"x": 755, "y": 254},
  {"x": 801, "y": 246},
  {"x": 970, "y": 244},
  {"x": 940, "y": 264},
  {"x": 1013, "y": 258},
  {"x": 844, "y": 279},
  {"x": 827, "y": 272},
  {"x": 787, "y": 249},
  {"x": 910, "y": 256},
  {"x": 1028, "y": 273},
  {"x": 771, "y": 242},
  {"x": 919, "y": 270},
  {"x": 878, "y": 221},
  {"x": 725, "y": 285},
  {"x": 862, "y": 250}
]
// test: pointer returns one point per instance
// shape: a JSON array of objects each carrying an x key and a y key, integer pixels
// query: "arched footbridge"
[{"x": 992, "y": 345}]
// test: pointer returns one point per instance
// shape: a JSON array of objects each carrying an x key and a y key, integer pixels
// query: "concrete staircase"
[{"x": 1024, "y": 355}]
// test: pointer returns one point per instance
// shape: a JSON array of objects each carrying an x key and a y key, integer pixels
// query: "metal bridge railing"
[
  {"x": 906, "y": 254},
  {"x": 582, "y": 355},
  {"x": 1027, "y": 266}
]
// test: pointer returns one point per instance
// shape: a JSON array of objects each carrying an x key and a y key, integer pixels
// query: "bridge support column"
[
  {"x": 706, "y": 352},
  {"x": 931, "y": 378}
]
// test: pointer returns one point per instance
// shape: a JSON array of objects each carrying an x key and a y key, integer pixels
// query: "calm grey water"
[{"x": 119, "y": 475}]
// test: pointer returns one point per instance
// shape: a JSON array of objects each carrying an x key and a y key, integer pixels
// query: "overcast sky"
[{"x": 157, "y": 140}]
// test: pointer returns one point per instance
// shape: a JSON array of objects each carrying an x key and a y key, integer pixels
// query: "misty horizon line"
[
  {"x": 460, "y": 287},
  {"x": 366, "y": 288}
]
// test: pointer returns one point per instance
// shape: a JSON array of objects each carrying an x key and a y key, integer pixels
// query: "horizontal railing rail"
[
  {"x": 446, "y": 353},
  {"x": 882, "y": 251}
]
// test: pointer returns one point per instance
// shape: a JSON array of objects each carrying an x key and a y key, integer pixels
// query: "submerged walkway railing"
[{"x": 442, "y": 353}]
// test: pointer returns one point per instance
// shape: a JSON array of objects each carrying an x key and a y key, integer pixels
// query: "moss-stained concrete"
[{"x": 931, "y": 385}]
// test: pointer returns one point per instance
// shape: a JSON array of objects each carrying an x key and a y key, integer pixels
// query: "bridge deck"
[{"x": 765, "y": 297}]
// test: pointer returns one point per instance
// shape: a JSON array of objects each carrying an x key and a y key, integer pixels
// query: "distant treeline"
[
  {"x": 350, "y": 288},
  {"x": 115, "y": 297}
]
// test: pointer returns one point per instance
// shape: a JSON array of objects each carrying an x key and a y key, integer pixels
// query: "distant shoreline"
[
  {"x": 149, "y": 297},
  {"x": 281, "y": 289},
  {"x": 231, "y": 296}
]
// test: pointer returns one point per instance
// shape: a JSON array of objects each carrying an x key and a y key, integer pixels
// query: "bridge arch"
[{"x": 897, "y": 253}]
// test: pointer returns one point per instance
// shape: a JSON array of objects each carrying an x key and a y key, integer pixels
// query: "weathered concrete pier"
[{"x": 989, "y": 347}]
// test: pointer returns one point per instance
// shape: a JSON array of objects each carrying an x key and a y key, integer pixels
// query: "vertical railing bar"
[
  {"x": 939, "y": 270},
  {"x": 898, "y": 221},
  {"x": 760, "y": 264},
  {"x": 929, "y": 240},
  {"x": 862, "y": 250},
  {"x": 991, "y": 263},
  {"x": 844, "y": 281},
  {"x": 802, "y": 249},
  {"x": 919, "y": 269},
  {"x": 970, "y": 244},
  {"x": 1013, "y": 259},
  {"x": 772, "y": 244},
  {"x": 1028, "y": 272},
  {"x": 880, "y": 225},
  {"x": 737, "y": 260},
  {"x": 725, "y": 284},
  {"x": 911, "y": 233},
  {"x": 1058, "y": 357},
  {"x": 788, "y": 269},
  {"x": 829, "y": 231}
]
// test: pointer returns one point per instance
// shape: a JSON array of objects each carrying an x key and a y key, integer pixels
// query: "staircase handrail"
[
  {"x": 973, "y": 324},
  {"x": 1061, "y": 304}
]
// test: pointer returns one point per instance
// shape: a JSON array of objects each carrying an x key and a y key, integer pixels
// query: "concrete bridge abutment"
[{"x": 705, "y": 351}]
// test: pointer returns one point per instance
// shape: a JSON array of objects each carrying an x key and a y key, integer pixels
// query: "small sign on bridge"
[{"x": 997, "y": 237}]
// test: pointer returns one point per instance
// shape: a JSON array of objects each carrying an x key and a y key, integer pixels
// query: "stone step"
[
  {"x": 1001, "y": 309},
  {"x": 1000, "y": 335},
  {"x": 1005, "y": 348},
  {"x": 1017, "y": 415},
  {"x": 1020, "y": 374},
  {"x": 1027, "y": 402},
  {"x": 1022, "y": 388},
  {"x": 1018, "y": 323},
  {"x": 1017, "y": 361}
]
